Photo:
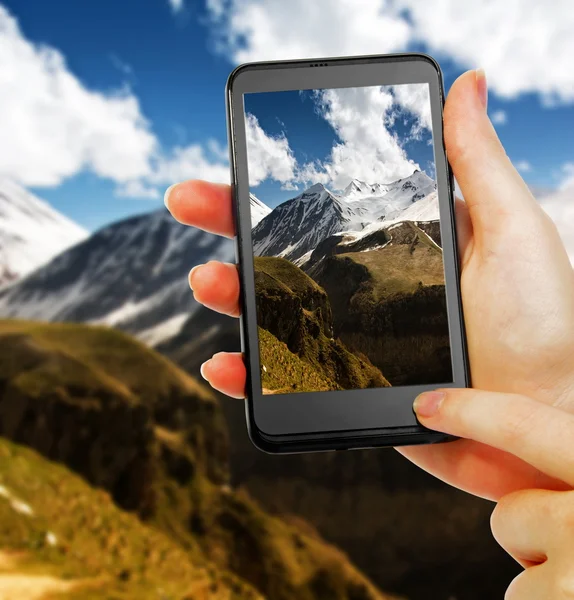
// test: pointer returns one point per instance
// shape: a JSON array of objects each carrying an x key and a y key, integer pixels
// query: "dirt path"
[
  {"x": 24, "y": 586},
  {"x": 31, "y": 587}
]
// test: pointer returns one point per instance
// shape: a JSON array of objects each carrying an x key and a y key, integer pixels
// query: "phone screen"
[{"x": 349, "y": 272}]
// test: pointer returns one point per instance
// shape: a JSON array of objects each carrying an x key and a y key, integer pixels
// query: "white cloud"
[
  {"x": 190, "y": 162},
  {"x": 176, "y": 5},
  {"x": 136, "y": 189},
  {"x": 524, "y": 45},
  {"x": 523, "y": 166},
  {"x": 415, "y": 99},
  {"x": 275, "y": 29},
  {"x": 268, "y": 156},
  {"x": 53, "y": 127},
  {"x": 366, "y": 148},
  {"x": 567, "y": 182},
  {"x": 498, "y": 117}
]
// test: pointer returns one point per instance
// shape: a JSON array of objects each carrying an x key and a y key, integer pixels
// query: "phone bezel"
[{"x": 351, "y": 418}]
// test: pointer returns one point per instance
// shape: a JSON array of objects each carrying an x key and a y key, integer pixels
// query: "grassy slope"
[
  {"x": 117, "y": 556},
  {"x": 84, "y": 374},
  {"x": 125, "y": 364},
  {"x": 389, "y": 304},
  {"x": 295, "y": 312},
  {"x": 282, "y": 371},
  {"x": 401, "y": 269}
]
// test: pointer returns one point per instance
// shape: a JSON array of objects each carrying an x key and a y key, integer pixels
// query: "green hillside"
[
  {"x": 52, "y": 523},
  {"x": 389, "y": 304},
  {"x": 130, "y": 422}
]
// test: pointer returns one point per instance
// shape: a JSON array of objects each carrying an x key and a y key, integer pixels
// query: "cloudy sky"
[
  {"x": 104, "y": 103},
  {"x": 298, "y": 138}
]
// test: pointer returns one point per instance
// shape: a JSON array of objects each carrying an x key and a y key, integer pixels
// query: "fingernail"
[
  {"x": 202, "y": 369},
  {"x": 482, "y": 87},
  {"x": 427, "y": 404},
  {"x": 166, "y": 195},
  {"x": 191, "y": 275}
]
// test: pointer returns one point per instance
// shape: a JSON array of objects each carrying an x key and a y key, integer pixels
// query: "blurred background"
[{"x": 121, "y": 474}]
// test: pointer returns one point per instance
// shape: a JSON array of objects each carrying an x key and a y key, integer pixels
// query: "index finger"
[{"x": 202, "y": 204}]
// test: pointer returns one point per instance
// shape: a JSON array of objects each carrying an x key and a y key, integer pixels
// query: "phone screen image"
[{"x": 349, "y": 272}]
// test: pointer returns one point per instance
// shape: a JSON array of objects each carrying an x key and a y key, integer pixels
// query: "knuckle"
[
  {"x": 517, "y": 587},
  {"x": 506, "y": 508}
]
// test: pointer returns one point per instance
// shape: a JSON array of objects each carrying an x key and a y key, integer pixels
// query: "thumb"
[
  {"x": 540, "y": 435},
  {"x": 492, "y": 188}
]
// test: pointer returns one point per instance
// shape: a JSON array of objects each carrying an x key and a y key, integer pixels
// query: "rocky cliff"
[{"x": 296, "y": 312}]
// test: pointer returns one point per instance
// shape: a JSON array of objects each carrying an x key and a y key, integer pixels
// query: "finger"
[
  {"x": 463, "y": 230},
  {"x": 537, "y": 433},
  {"x": 479, "y": 469},
  {"x": 205, "y": 205},
  {"x": 216, "y": 285},
  {"x": 491, "y": 186},
  {"x": 535, "y": 583},
  {"x": 225, "y": 372},
  {"x": 522, "y": 523}
]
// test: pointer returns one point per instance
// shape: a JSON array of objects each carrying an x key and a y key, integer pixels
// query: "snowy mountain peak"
[
  {"x": 316, "y": 188},
  {"x": 357, "y": 187},
  {"x": 296, "y": 226},
  {"x": 31, "y": 232},
  {"x": 259, "y": 210}
]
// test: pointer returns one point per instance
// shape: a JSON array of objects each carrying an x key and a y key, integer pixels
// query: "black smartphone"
[{"x": 346, "y": 244}]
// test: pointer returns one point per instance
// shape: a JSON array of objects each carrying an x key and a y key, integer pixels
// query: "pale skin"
[{"x": 517, "y": 423}]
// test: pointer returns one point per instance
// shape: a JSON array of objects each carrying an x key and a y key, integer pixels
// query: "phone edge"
[{"x": 334, "y": 441}]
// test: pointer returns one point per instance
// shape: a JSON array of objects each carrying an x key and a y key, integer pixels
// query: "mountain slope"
[
  {"x": 31, "y": 232},
  {"x": 258, "y": 209},
  {"x": 388, "y": 299},
  {"x": 131, "y": 274},
  {"x": 53, "y": 523},
  {"x": 129, "y": 421},
  {"x": 297, "y": 226}
]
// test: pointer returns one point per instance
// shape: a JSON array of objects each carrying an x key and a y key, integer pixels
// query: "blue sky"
[
  {"x": 169, "y": 63},
  {"x": 299, "y": 121}
]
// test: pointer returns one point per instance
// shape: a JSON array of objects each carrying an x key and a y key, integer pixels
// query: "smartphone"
[{"x": 346, "y": 244}]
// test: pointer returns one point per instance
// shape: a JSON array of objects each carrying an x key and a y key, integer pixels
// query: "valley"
[{"x": 374, "y": 251}]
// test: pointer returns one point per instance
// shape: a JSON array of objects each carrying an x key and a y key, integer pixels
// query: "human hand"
[
  {"x": 517, "y": 287},
  {"x": 533, "y": 526}
]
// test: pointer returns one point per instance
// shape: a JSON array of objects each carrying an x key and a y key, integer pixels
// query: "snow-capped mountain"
[
  {"x": 298, "y": 225},
  {"x": 31, "y": 232},
  {"x": 258, "y": 209},
  {"x": 131, "y": 274},
  {"x": 294, "y": 228}
]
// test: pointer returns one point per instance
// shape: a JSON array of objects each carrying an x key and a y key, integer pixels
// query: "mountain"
[
  {"x": 296, "y": 344},
  {"x": 258, "y": 209},
  {"x": 386, "y": 290},
  {"x": 130, "y": 422},
  {"x": 53, "y": 522},
  {"x": 31, "y": 232},
  {"x": 297, "y": 226},
  {"x": 131, "y": 274}
]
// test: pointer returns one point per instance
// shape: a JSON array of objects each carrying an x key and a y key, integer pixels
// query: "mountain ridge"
[
  {"x": 296, "y": 226},
  {"x": 31, "y": 232}
]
